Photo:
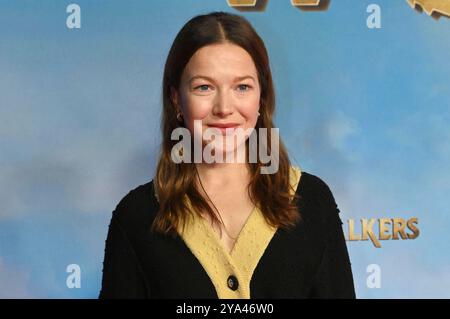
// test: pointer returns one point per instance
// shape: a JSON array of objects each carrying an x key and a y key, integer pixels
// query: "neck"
[{"x": 221, "y": 174}]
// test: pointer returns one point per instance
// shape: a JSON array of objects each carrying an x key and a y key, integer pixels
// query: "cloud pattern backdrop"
[{"x": 365, "y": 110}]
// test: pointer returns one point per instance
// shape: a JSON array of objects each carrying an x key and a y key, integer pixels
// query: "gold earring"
[{"x": 179, "y": 117}]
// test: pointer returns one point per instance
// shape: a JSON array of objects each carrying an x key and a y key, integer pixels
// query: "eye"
[
  {"x": 202, "y": 88},
  {"x": 243, "y": 87}
]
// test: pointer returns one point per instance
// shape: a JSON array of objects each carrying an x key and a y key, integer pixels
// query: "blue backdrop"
[{"x": 366, "y": 109}]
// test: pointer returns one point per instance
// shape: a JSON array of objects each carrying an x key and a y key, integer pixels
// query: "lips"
[
  {"x": 223, "y": 125},
  {"x": 225, "y": 128}
]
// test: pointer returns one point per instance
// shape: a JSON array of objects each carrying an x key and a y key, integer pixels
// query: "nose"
[{"x": 223, "y": 105}]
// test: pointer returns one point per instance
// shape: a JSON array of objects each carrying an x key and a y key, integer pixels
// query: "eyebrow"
[{"x": 238, "y": 78}]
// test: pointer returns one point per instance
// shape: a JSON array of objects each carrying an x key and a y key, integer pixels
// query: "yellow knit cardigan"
[{"x": 241, "y": 262}]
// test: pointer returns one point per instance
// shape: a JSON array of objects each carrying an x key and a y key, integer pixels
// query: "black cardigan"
[{"x": 310, "y": 261}]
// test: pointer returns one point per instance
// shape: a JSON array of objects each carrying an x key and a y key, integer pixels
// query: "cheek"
[
  {"x": 195, "y": 109},
  {"x": 249, "y": 111}
]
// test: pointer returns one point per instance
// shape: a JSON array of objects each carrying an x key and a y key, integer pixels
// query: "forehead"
[{"x": 221, "y": 59}]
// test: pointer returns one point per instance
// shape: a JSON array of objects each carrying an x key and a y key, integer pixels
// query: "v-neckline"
[
  {"x": 209, "y": 229},
  {"x": 241, "y": 262}
]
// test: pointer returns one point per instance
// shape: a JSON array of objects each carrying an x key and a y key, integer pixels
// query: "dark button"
[{"x": 232, "y": 282}]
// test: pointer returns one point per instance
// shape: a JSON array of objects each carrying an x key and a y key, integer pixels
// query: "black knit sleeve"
[
  {"x": 122, "y": 274},
  {"x": 334, "y": 277}
]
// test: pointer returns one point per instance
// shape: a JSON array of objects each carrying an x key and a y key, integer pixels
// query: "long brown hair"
[{"x": 173, "y": 181}]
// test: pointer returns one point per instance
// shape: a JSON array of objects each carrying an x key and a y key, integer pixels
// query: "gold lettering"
[
  {"x": 383, "y": 222},
  {"x": 434, "y": 8},
  {"x": 351, "y": 231},
  {"x": 260, "y": 5},
  {"x": 300, "y": 3},
  {"x": 311, "y": 5},
  {"x": 248, "y": 5},
  {"x": 384, "y": 226},
  {"x": 368, "y": 231},
  {"x": 242, "y": 3},
  {"x": 413, "y": 228},
  {"x": 398, "y": 226}
]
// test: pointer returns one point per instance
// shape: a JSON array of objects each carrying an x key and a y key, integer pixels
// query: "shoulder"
[
  {"x": 308, "y": 183},
  {"x": 317, "y": 200},
  {"x": 315, "y": 188},
  {"x": 137, "y": 208}
]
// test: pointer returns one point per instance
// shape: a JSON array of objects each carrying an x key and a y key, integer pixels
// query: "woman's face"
[{"x": 219, "y": 85}]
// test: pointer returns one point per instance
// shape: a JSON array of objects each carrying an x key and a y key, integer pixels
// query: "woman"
[{"x": 216, "y": 229}]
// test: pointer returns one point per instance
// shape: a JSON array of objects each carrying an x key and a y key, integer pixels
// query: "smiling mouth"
[
  {"x": 223, "y": 125},
  {"x": 225, "y": 128}
]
